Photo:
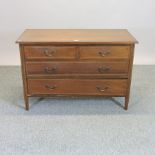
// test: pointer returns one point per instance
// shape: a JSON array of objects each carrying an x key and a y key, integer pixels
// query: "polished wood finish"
[
  {"x": 76, "y": 68},
  {"x": 76, "y": 36},
  {"x": 105, "y": 52},
  {"x": 77, "y": 86},
  {"x": 76, "y": 63},
  {"x": 23, "y": 70},
  {"x": 49, "y": 52}
]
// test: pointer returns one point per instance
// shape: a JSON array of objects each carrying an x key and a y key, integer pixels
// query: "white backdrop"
[{"x": 138, "y": 16}]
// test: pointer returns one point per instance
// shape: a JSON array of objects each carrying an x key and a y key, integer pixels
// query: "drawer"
[
  {"x": 104, "y": 52},
  {"x": 49, "y": 68},
  {"x": 49, "y": 52},
  {"x": 77, "y": 86}
]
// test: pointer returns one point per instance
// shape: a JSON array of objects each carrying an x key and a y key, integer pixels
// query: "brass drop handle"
[
  {"x": 50, "y": 70},
  {"x": 103, "y": 69},
  {"x": 50, "y": 87},
  {"x": 102, "y": 89},
  {"x": 104, "y": 53},
  {"x": 49, "y": 53}
]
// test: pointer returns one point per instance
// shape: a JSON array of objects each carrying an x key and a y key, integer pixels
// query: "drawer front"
[
  {"x": 49, "y": 68},
  {"x": 50, "y": 52},
  {"x": 104, "y": 52},
  {"x": 79, "y": 87}
]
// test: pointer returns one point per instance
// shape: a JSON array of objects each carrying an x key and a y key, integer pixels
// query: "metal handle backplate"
[
  {"x": 104, "y": 53},
  {"x": 101, "y": 89},
  {"x": 49, "y": 53},
  {"x": 50, "y": 70},
  {"x": 50, "y": 87},
  {"x": 103, "y": 69}
]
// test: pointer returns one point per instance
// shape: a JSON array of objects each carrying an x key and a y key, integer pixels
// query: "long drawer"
[
  {"x": 49, "y": 68},
  {"x": 104, "y": 52},
  {"x": 77, "y": 87},
  {"x": 49, "y": 52}
]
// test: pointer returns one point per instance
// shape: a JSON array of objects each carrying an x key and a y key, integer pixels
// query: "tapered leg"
[
  {"x": 126, "y": 102},
  {"x": 26, "y": 103}
]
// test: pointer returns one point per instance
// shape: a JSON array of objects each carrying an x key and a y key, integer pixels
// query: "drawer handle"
[
  {"x": 103, "y": 69},
  {"x": 102, "y": 89},
  {"x": 104, "y": 53},
  {"x": 50, "y": 70},
  {"x": 50, "y": 87},
  {"x": 49, "y": 53}
]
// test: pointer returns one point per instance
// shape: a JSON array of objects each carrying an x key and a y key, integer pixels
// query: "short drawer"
[
  {"x": 49, "y": 68},
  {"x": 49, "y": 52},
  {"x": 77, "y": 86},
  {"x": 104, "y": 52}
]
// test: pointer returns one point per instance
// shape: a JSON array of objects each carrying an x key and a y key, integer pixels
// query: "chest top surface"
[{"x": 77, "y": 36}]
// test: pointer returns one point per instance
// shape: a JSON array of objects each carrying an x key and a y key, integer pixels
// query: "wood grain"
[
  {"x": 77, "y": 86},
  {"x": 76, "y": 36},
  {"x": 60, "y": 67},
  {"x": 49, "y": 52},
  {"x": 104, "y": 52}
]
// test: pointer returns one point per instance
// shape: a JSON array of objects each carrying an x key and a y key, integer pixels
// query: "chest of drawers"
[{"x": 76, "y": 62}]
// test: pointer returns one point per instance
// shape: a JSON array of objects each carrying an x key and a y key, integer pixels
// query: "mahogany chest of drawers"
[{"x": 76, "y": 62}]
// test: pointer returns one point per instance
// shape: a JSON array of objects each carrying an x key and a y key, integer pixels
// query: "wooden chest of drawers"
[{"x": 57, "y": 62}]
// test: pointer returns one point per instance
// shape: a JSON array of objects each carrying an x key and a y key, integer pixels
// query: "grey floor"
[{"x": 78, "y": 126}]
